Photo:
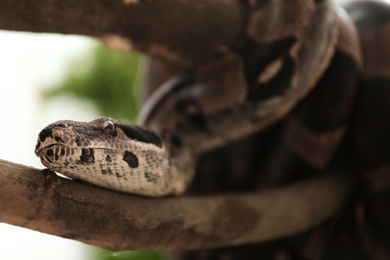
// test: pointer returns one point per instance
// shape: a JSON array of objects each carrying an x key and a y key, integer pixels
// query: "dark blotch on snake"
[
  {"x": 147, "y": 176},
  {"x": 107, "y": 171},
  {"x": 49, "y": 153},
  {"x": 140, "y": 134},
  {"x": 87, "y": 156},
  {"x": 131, "y": 159},
  {"x": 45, "y": 133},
  {"x": 58, "y": 139},
  {"x": 150, "y": 177},
  {"x": 175, "y": 140}
]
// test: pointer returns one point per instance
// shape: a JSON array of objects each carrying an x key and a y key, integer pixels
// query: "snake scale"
[{"x": 320, "y": 70}]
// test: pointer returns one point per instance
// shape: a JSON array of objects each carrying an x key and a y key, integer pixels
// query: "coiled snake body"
[{"x": 300, "y": 62}]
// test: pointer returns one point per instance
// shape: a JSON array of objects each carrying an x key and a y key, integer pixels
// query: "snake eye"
[{"x": 109, "y": 128}]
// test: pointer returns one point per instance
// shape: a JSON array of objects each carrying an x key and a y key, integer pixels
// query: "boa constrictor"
[{"x": 300, "y": 62}]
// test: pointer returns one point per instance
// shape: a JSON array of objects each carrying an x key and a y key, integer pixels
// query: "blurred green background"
[{"x": 111, "y": 81}]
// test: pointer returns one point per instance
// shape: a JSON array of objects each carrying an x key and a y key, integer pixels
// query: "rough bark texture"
[
  {"x": 42, "y": 201},
  {"x": 151, "y": 26}
]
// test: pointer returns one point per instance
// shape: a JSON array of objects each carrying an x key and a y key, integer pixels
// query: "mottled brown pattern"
[
  {"x": 227, "y": 72},
  {"x": 316, "y": 148},
  {"x": 273, "y": 21}
]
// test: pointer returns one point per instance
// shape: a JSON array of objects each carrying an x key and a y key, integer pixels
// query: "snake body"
[{"x": 300, "y": 62}]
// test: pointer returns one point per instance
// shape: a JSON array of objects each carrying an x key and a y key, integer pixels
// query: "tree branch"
[
  {"x": 42, "y": 201},
  {"x": 183, "y": 31}
]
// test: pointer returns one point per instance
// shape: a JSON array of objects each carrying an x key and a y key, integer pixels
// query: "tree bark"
[
  {"x": 185, "y": 32},
  {"x": 42, "y": 201}
]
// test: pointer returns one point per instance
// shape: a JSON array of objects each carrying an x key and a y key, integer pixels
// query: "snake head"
[
  {"x": 104, "y": 152},
  {"x": 66, "y": 136}
]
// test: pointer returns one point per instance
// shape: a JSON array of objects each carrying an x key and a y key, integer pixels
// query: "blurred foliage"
[
  {"x": 102, "y": 254},
  {"x": 110, "y": 81}
]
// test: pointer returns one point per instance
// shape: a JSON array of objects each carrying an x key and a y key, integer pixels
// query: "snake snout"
[{"x": 51, "y": 136}]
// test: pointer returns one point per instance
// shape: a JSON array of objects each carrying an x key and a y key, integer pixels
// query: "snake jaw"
[{"x": 51, "y": 155}]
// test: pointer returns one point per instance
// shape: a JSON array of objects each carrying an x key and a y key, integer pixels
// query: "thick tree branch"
[
  {"x": 183, "y": 31},
  {"x": 44, "y": 202}
]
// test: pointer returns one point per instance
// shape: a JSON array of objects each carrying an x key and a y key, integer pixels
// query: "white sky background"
[{"x": 28, "y": 63}]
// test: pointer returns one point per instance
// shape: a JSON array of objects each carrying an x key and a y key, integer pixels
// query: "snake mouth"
[
  {"x": 39, "y": 149},
  {"x": 51, "y": 153}
]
